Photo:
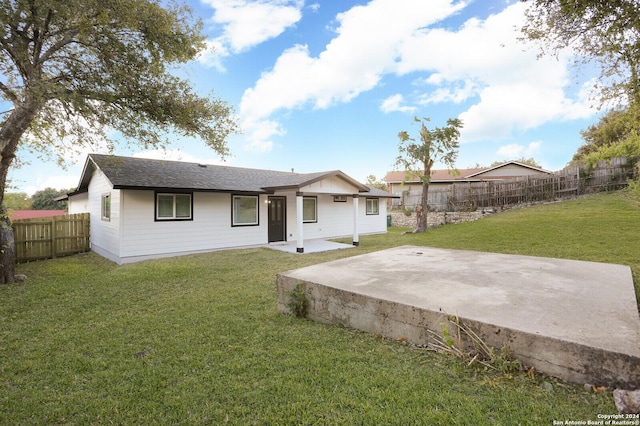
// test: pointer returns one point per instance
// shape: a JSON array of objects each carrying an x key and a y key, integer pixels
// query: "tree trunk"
[
  {"x": 7, "y": 249},
  {"x": 7, "y": 243},
  {"x": 422, "y": 210},
  {"x": 10, "y": 134}
]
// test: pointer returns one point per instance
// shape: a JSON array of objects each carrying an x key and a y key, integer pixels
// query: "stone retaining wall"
[{"x": 401, "y": 220}]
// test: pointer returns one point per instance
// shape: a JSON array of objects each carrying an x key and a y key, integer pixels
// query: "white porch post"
[
  {"x": 356, "y": 238},
  {"x": 299, "y": 217}
]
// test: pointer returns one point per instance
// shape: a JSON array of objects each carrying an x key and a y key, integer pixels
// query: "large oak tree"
[
  {"x": 74, "y": 71},
  {"x": 604, "y": 31}
]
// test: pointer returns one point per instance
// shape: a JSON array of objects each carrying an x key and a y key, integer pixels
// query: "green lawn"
[{"x": 198, "y": 339}]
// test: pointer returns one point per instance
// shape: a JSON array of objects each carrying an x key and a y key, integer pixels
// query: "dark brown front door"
[{"x": 277, "y": 219}]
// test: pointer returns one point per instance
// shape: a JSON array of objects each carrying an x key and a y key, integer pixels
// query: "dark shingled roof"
[{"x": 142, "y": 173}]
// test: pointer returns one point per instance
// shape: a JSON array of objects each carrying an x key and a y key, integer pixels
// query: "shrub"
[{"x": 298, "y": 302}]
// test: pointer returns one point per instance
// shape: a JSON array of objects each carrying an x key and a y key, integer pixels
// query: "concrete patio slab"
[
  {"x": 310, "y": 246},
  {"x": 572, "y": 319}
]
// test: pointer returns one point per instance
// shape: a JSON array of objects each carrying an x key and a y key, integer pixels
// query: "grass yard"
[{"x": 198, "y": 339}]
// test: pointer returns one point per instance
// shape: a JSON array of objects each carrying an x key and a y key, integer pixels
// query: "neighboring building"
[
  {"x": 404, "y": 185},
  {"x": 34, "y": 214},
  {"x": 143, "y": 208}
]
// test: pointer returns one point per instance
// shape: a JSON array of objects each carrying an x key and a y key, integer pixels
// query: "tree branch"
[
  {"x": 67, "y": 39},
  {"x": 8, "y": 93}
]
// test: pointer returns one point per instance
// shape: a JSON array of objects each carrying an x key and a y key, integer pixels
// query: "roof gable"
[
  {"x": 518, "y": 164},
  {"x": 312, "y": 180},
  {"x": 142, "y": 173}
]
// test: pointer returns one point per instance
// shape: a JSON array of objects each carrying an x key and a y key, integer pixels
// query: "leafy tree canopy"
[
  {"x": 612, "y": 128},
  {"x": 77, "y": 70},
  {"x": 629, "y": 148},
  {"x": 438, "y": 145},
  {"x": 45, "y": 199},
  {"x": 17, "y": 201},
  {"x": 373, "y": 182},
  {"x": 605, "y": 31}
]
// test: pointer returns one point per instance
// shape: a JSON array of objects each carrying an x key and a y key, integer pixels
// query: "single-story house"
[
  {"x": 142, "y": 208},
  {"x": 401, "y": 183}
]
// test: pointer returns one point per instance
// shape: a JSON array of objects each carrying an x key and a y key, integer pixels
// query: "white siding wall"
[
  {"x": 133, "y": 234},
  {"x": 335, "y": 219},
  {"x": 210, "y": 228},
  {"x": 105, "y": 235},
  {"x": 331, "y": 185},
  {"x": 373, "y": 223},
  {"x": 292, "y": 226},
  {"x": 79, "y": 203},
  {"x": 511, "y": 170}
]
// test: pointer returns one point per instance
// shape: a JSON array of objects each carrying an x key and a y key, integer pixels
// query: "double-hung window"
[
  {"x": 373, "y": 206},
  {"x": 244, "y": 210},
  {"x": 309, "y": 209},
  {"x": 173, "y": 206}
]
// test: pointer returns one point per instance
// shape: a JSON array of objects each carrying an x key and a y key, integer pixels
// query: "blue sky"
[{"x": 325, "y": 85}]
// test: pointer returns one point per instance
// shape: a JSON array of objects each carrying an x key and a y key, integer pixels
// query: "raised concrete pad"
[{"x": 571, "y": 319}]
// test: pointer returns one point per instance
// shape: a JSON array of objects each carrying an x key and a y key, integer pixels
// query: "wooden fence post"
[{"x": 53, "y": 238}]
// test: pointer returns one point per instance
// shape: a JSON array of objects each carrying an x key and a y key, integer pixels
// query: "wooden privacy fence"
[
  {"x": 469, "y": 196},
  {"x": 51, "y": 237}
]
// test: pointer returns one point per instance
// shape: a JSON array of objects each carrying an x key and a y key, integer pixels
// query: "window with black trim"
[
  {"x": 373, "y": 206},
  {"x": 309, "y": 209},
  {"x": 244, "y": 210},
  {"x": 105, "y": 207},
  {"x": 173, "y": 206}
]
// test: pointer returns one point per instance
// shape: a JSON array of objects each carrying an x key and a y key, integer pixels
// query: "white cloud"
[
  {"x": 393, "y": 103},
  {"x": 69, "y": 181},
  {"x": 455, "y": 92},
  {"x": 248, "y": 23},
  {"x": 258, "y": 135},
  {"x": 514, "y": 151},
  {"x": 60, "y": 182},
  {"x": 482, "y": 63},
  {"x": 213, "y": 54},
  {"x": 364, "y": 49},
  {"x": 516, "y": 91},
  {"x": 534, "y": 147}
]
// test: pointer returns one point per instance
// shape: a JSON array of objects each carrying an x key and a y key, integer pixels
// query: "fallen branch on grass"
[{"x": 481, "y": 353}]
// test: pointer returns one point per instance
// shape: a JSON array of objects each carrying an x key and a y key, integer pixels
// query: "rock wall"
[{"x": 400, "y": 219}]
